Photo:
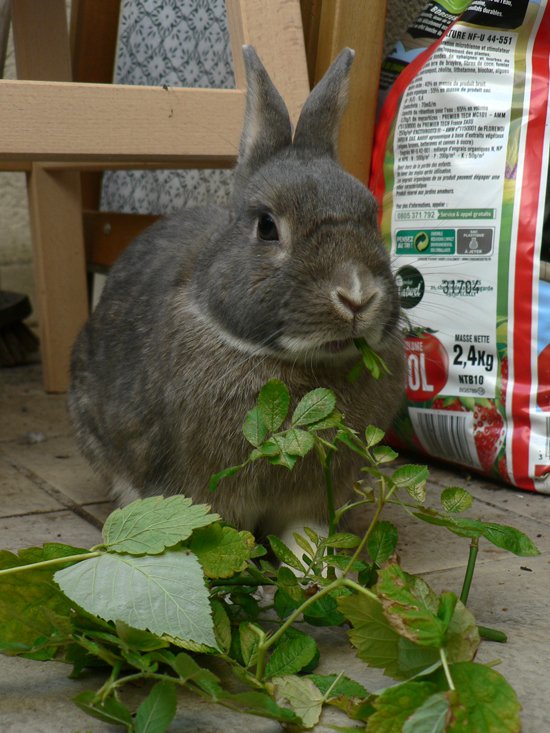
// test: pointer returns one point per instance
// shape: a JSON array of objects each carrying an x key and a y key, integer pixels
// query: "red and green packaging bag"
[{"x": 460, "y": 169}]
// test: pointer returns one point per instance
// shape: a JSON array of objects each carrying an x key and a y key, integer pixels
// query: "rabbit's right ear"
[{"x": 266, "y": 127}]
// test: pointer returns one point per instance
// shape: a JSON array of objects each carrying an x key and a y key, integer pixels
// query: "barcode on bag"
[{"x": 446, "y": 434}]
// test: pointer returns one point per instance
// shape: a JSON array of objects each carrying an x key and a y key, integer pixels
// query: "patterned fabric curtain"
[{"x": 179, "y": 43}]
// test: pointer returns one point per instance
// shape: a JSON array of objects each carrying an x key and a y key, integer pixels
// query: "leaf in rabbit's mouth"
[{"x": 335, "y": 347}]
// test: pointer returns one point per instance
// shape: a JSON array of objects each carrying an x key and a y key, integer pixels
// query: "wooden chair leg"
[
  {"x": 59, "y": 266},
  {"x": 358, "y": 24},
  {"x": 42, "y": 50}
]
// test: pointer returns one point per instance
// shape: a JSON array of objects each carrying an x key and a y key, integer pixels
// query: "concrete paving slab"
[
  {"x": 34, "y": 530},
  {"x": 59, "y": 462},
  {"x": 19, "y": 495},
  {"x": 102, "y": 510}
]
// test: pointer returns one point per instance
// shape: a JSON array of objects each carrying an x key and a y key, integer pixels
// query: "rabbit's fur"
[{"x": 201, "y": 310}]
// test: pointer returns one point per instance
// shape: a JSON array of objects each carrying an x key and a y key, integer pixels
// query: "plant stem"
[
  {"x": 492, "y": 634},
  {"x": 330, "y": 494},
  {"x": 49, "y": 563},
  {"x": 474, "y": 546},
  {"x": 446, "y": 669}
]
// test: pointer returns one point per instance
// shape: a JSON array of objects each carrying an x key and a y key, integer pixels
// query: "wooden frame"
[{"x": 52, "y": 127}]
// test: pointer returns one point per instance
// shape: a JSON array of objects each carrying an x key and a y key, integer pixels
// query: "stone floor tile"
[
  {"x": 59, "y": 462},
  {"x": 19, "y": 495},
  {"x": 36, "y": 529},
  {"x": 102, "y": 510}
]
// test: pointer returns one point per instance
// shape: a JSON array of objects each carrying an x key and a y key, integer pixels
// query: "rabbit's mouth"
[{"x": 335, "y": 347}]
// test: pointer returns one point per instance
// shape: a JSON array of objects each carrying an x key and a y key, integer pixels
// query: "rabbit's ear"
[
  {"x": 321, "y": 115},
  {"x": 266, "y": 127}
]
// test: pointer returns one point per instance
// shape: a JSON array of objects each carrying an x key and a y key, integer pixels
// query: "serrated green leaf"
[
  {"x": 462, "y": 635},
  {"x": 284, "y": 605},
  {"x": 491, "y": 704},
  {"x": 343, "y": 540},
  {"x": 249, "y": 644},
  {"x": 254, "y": 428},
  {"x": 396, "y": 704},
  {"x": 165, "y": 594},
  {"x": 410, "y": 475},
  {"x": 344, "y": 686},
  {"x": 460, "y": 526},
  {"x": 222, "y": 625},
  {"x": 285, "y": 555},
  {"x": 303, "y": 544},
  {"x": 409, "y": 616},
  {"x": 430, "y": 717},
  {"x": 273, "y": 402},
  {"x": 157, "y": 711},
  {"x": 509, "y": 538},
  {"x": 150, "y": 525},
  {"x": 372, "y": 635},
  {"x": 304, "y": 697},
  {"x": 110, "y": 711},
  {"x": 287, "y": 582},
  {"x": 333, "y": 420},
  {"x": 373, "y": 435},
  {"x": 342, "y": 561},
  {"x": 283, "y": 459},
  {"x": 138, "y": 639},
  {"x": 231, "y": 471},
  {"x": 324, "y": 612},
  {"x": 24, "y": 595},
  {"x": 222, "y": 551},
  {"x": 313, "y": 536},
  {"x": 298, "y": 442},
  {"x": 456, "y": 500},
  {"x": 384, "y": 454},
  {"x": 291, "y": 656},
  {"x": 259, "y": 703},
  {"x": 314, "y": 406},
  {"x": 382, "y": 542}
]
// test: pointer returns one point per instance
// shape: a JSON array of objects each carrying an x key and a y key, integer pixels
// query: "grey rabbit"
[{"x": 206, "y": 306}]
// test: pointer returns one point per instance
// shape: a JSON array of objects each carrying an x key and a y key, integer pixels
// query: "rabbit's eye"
[{"x": 267, "y": 229}]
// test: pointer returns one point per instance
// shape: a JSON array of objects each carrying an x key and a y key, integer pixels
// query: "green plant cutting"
[{"x": 172, "y": 585}]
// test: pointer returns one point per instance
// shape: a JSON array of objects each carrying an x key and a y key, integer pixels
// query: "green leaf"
[
  {"x": 411, "y": 476},
  {"x": 285, "y": 555},
  {"x": 315, "y": 406},
  {"x": 382, "y": 542},
  {"x": 462, "y": 635},
  {"x": 111, "y": 711},
  {"x": 138, "y": 639},
  {"x": 408, "y": 615},
  {"x": 287, "y": 582},
  {"x": 24, "y": 595},
  {"x": 222, "y": 551},
  {"x": 456, "y": 500},
  {"x": 342, "y": 561},
  {"x": 304, "y": 544},
  {"x": 222, "y": 625},
  {"x": 249, "y": 644},
  {"x": 291, "y": 656},
  {"x": 333, "y": 420},
  {"x": 298, "y": 442},
  {"x": 375, "y": 639},
  {"x": 284, "y": 605},
  {"x": 460, "y": 526},
  {"x": 258, "y": 703},
  {"x": 157, "y": 711},
  {"x": 150, "y": 525},
  {"x": 384, "y": 454},
  {"x": 373, "y": 435},
  {"x": 343, "y": 540},
  {"x": 165, "y": 593},
  {"x": 396, "y": 704},
  {"x": 324, "y": 612},
  {"x": 509, "y": 538},
  {"x": 304, "y": 697},
  {"x": 313, "y": 536},
  {"x": 273, "y": 402},
  {"x": 491, "y": 704},
  {"x": 283, "y": 459},
  {"x": 356, "y": 371},
  {"x": 217, "y": 477},
  {"x": 254, "y": 428},
  {"x": 344, "y": 686},
  {"x": 430, "y": 717}
]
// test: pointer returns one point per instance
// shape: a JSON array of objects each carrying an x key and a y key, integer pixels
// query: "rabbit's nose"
[{"x": 355, "y": 301}]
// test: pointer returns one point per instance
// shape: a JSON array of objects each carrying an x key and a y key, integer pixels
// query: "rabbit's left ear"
[
  {"x": 266, "y": 127},
  {"x": 319, "y": 122}
]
